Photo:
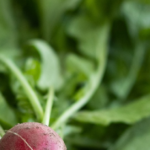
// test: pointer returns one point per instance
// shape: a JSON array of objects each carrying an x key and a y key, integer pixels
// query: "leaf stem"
[
  {"x": 94, "y": 80},
  {"x": 27, "y": 88},
  {"x": 93, "y": 83},
  {"x": 1, "y": 132},
  {"x": 47, "y": 115}
]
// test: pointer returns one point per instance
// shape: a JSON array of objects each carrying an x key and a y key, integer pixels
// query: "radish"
[{"x": 31, "y": 136}]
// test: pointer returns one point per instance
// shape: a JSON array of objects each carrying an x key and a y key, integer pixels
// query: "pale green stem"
[
  {"x": 27, "y": 88},
  {"x": 1, "y": 132},
  {"x": 47, "y": 115},
  {"x": 93, "y": 84}
]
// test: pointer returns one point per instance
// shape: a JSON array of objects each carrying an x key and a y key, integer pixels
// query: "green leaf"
[
  {"x": 8, "y": 32},
  {"x": 25, "y": 85},
  {"x": 135, "y": 138},
  {"x": 32, "y": 70},
  {"x": 128, "y": 114},
  {"x": 102, "y": 9},
  {"x": 143, "y": 1},
  {"x": 84, "y": 142},
  {"x": 51, "y": 13},
  {"x": 137, "y": 17},
  {"x": 8, "y": 36},
  {"x": 7, "y": 115},
  {"x": 70, "y": 129},
  {"x": 79, "y": 64},
  {"x": 122, "y": 87},
  {"x": 95, "y": 79},
  {"x": 88, "y": 35},
  {"x": 50, "y": 67},
  {"x": 140, "y": 87},
  {"x": 99, "y": 99}
]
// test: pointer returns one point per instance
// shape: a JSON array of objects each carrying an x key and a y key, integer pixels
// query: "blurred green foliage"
[{"x": 95, "y": 52}]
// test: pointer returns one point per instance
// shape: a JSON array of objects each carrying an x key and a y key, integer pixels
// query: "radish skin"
[{"x": 31, "y": 136}]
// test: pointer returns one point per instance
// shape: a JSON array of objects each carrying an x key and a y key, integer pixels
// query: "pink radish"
[{"x": 31, "y": 136}]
